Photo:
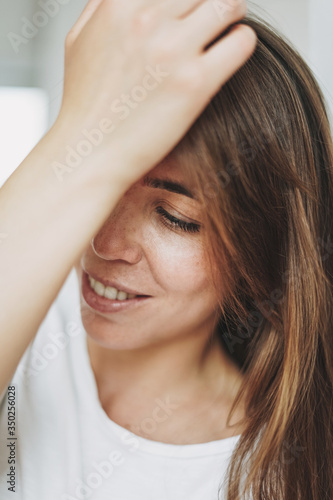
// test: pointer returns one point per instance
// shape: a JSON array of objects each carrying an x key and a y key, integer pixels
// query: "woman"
[{"x": 201, "y": 245}]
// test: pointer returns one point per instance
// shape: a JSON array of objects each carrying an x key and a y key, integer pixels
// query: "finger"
[
  {"x": 86, "y": 14},
  {"x": 210, "y": 19},
  {"x": 226, "y": 56}
]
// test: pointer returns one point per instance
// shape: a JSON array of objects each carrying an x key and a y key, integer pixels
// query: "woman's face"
[{"x": 139, "y": 248}]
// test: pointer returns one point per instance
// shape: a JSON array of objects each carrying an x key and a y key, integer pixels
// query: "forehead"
[
  {"x": 170, "y": 167},
  {"x": 164, "y": 168}
]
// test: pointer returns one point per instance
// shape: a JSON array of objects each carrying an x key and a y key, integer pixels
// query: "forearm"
[{"x": 45, "y": 224}]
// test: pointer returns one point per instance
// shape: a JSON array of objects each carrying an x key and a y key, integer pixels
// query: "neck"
[{"x": 182, "y": 370}]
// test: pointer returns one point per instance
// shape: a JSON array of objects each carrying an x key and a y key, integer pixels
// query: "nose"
[{"x": 119, "y": 237}]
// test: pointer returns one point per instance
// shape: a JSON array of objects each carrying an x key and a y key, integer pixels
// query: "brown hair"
[{"x": 260, "y": 160}]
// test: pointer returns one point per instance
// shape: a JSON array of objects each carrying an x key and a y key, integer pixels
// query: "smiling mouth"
[{"x": 110, "y": 292}]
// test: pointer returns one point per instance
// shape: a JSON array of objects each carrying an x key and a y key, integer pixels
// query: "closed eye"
[{"x": 172, "y": 221}]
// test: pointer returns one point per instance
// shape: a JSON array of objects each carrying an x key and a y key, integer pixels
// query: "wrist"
[{"x": 87, "y": 152}]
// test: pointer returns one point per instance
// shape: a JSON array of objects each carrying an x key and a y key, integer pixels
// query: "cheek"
[{"x": 179, "y": 264}]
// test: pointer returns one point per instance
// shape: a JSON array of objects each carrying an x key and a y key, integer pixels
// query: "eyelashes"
[{"x": 171, "y": 221}]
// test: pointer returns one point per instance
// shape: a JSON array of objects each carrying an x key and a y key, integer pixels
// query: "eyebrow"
[{"x": 168, "y": 185}]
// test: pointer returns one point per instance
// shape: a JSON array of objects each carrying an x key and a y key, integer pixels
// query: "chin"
[{"x": 111, "y": 336}]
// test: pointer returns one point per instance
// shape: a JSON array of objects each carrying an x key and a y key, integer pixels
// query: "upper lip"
[{"x": 115, "y": 284}]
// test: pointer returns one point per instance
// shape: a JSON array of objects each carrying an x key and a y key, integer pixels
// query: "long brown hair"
[{"x": 260, "y": 160}]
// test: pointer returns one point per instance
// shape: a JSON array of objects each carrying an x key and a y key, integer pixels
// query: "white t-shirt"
[{"x": 67, "y": 448}]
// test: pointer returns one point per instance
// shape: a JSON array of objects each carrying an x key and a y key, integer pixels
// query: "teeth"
[
  {"x": 121, "y": 295},
  {"x": 109, "y": 291},
  {"x": 99, "y": 288}
]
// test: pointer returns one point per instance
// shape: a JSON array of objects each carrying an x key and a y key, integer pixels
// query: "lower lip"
[{"x": 104, "y": 305}]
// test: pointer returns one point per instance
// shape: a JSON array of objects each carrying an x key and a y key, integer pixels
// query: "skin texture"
[{"x": 164, "y": 348}]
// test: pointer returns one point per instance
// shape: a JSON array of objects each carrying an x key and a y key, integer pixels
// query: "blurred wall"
[
  {"x": 320, "y": 54},
  {"x": 39, "y": 60}
]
